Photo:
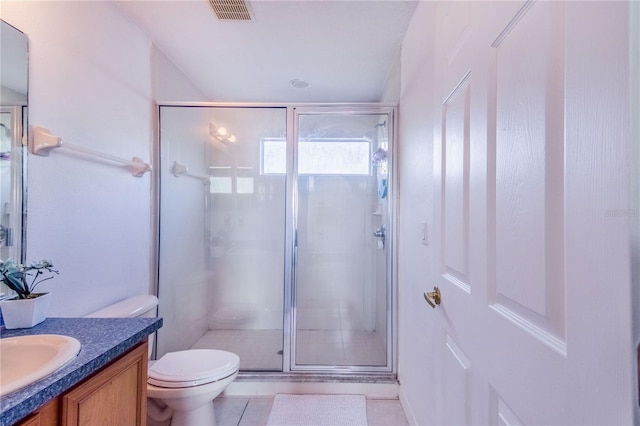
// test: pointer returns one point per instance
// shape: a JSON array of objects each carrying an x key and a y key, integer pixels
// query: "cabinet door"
[
  {"x": 117, "y": 395},
  {"x": 45, "y": 416}
]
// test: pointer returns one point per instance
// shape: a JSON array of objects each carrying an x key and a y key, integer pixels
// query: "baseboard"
[{"x": 411, "y": 418}]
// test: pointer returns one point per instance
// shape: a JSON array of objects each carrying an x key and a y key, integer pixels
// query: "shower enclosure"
[{"x": 276, "y": 235}]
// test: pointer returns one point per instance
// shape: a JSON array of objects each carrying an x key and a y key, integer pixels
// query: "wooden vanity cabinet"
[
  {"x": 47, "y": 415},
  {"x": 115, "y": 395}
]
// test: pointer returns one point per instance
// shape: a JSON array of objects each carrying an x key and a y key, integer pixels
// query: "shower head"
[{"x": 383, "y": 124}]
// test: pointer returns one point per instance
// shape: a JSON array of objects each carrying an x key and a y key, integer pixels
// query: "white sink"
[{"x": 26, "y": 359}]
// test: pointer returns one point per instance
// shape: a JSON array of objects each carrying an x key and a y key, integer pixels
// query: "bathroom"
[{"x": 94, "y": 78}]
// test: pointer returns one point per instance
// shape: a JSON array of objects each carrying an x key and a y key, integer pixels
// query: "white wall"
[
  {"x": 416, "y": 328},
  {"x": 90, "y": 83},
  {"x": 169, "y": 84}
]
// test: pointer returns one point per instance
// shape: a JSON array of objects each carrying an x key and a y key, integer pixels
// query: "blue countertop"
[{"x": 102, "y": 340}]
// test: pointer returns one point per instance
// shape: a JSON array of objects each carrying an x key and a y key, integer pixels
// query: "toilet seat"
[{"x": 192, "y": 367}]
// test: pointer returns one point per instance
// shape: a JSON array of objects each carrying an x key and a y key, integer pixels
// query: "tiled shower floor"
[
  {"x": 257, "y": 349},
  {"x": 262, "y": 349}
]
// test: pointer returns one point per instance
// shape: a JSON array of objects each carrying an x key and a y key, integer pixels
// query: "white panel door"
[{"x": 532, "y": 266}]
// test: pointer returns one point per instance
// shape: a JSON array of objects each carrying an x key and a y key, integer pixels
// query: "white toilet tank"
[{"x": 143, "y": 305}]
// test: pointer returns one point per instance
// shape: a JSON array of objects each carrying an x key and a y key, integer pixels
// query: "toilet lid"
[{"x": 192, "y": 367}]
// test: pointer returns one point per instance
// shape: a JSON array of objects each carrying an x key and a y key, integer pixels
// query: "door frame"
[{"x": 293, "y": 114}]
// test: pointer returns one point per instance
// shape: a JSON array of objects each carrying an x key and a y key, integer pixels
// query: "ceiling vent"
[{"x": 231, "y": 10}]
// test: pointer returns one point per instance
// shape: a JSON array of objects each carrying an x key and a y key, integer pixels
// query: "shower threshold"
[
  {"x": 272, "y": 383},
  {"x": 305, "y": 377}
]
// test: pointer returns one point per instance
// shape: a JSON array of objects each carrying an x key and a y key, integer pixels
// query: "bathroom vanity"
[{"x": 104, "y": 384}]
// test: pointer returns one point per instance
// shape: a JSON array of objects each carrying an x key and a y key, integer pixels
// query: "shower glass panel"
[
  {"x": 222, "y": 233},
  {"x": 341, "y": 291}
]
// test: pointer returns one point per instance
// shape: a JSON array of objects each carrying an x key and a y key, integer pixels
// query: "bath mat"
[{"x": 318, "y": 410}]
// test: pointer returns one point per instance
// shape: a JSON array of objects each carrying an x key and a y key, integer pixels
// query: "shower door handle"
[{"x": 379, "y": 233}]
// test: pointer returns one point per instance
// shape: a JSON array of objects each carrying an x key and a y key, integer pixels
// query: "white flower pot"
[{"x": 25, "y": 313}]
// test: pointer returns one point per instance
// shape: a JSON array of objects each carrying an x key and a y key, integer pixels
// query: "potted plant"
[{"x": 27, "y": 308}]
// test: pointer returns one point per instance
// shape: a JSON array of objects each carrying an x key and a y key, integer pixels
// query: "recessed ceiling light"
[{"x": 298, "y": 84}]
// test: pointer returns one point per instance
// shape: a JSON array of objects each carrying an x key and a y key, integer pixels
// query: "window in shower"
[
  {"x": 220, "y": 181},
  {"x": 320, "y": 156},
  {"x": 222, "y": 235}
]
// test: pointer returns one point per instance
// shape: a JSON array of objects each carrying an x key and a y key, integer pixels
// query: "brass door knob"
[{"x": 434, "y": 297}]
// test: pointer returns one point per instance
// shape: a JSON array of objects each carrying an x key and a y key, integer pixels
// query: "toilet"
[{"x": 181, "y": 385}]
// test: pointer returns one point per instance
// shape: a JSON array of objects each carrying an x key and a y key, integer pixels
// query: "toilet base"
[
  {"x": 190, "y": 406},
  {"x": 158, "y": 413},
  {"x": 204, "y": 415}
]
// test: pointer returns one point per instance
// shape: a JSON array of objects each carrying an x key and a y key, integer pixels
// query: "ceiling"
[{"x": 344, "y": 49}]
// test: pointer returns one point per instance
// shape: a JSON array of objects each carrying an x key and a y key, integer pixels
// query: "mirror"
[{"x": 13, "y": 147}]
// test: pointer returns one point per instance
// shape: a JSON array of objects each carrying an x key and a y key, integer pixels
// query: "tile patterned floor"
[
  {"x": 340, "y": 347},
  {"x": 243, "y": 411}
]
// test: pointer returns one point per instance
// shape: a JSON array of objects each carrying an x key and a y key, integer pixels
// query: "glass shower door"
[
  {"x": 341, "y": 290},
  {"x": 222, "y": 232}
]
